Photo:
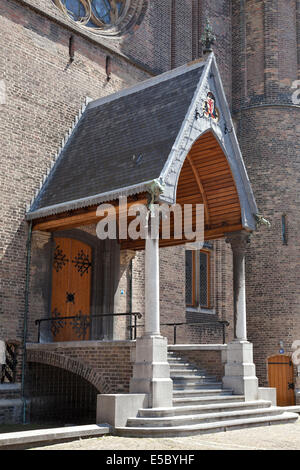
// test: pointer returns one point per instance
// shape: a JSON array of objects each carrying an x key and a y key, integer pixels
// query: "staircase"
[
  {"x": 11, "y": 405},
  {"x": 201, "y": 405}
]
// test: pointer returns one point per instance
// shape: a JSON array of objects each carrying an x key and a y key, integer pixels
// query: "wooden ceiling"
[{"x": 205, "y": 178}]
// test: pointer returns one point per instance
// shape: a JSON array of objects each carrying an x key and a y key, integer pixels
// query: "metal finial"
[{"x": 208, "y": 38}]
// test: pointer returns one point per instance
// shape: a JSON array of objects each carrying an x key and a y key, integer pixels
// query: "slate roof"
[{"x": 121, "y": 141}]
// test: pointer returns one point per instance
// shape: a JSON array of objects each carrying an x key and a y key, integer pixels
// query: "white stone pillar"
[
  {"x": 151, "y": 371},
  {"x": 240, "y": 375},
  {"x": 152, "y": 314}
]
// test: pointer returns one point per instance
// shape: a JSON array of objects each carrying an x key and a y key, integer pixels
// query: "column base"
[
  {"x": 151, "y": 371},
  {"x": 240, "y": 374}
]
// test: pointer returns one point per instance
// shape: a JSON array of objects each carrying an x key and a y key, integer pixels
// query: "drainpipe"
[
  {"x": 130, "y": 298},
  {"x": 27, "y": 278}
]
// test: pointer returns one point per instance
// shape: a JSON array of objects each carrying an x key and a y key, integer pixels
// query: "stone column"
[
  {"x": 240, "y": 375},
  {"x": 151, "y": 373},
  {"x": 152, "y": 313},
  {"x": 238, "y": 242}
]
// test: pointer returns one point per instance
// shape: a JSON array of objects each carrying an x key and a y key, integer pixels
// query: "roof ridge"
[{"x": 140, "y": 86}]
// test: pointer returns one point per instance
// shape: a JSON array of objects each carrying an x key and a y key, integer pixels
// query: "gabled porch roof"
[{"x": 156, "y": 130}]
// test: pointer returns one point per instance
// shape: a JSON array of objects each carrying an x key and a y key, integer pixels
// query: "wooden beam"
[
  {"x": 210, "y": 234},
  {"x": 88, "y": 217},
  {"x": 201, "y": 189}
]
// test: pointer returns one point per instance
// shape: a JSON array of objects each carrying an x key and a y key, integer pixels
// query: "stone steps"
[
  {"x": 204, "y": 428},
  {"x": 204, "y": 408},
  {"x": 207, "y": 400},
  {"x": 201, "y": 405},
  {"x": 199, "y": 418}
]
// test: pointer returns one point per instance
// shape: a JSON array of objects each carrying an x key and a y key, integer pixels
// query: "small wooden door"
[
  {"x": 71, "y": 290},
  {"x": 281, "y": 376}
]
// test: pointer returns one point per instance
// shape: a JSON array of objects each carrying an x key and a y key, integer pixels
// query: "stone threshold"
[{"x": 41, "y": 437}]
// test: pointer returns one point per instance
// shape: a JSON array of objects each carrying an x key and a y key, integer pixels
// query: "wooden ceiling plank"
[{"x": 201, "y": 189}]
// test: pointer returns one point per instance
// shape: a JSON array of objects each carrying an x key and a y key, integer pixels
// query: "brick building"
[{"x": 56, "y": 62}]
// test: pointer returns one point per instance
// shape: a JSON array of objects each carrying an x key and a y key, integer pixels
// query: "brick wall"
[
  {"x": 265, "y": 65},
  {"x": 106, "y": 365},
  {"x": 44, "y": 94}
]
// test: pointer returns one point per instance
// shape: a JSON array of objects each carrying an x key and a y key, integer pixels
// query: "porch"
[{"x": 168, "y": 141}]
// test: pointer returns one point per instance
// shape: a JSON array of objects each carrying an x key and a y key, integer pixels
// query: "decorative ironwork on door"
[
  {"x": 82, "y": 262},
  {"x": 71, "y": 290}
]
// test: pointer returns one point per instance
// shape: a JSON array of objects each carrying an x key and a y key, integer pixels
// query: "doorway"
[
  {"x": 71, "y": 290},
  {"x": 281, "y": 376}
]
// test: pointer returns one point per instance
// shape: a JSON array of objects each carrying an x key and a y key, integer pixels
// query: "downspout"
[
  {"x": 27, "y": 278},
  {"x": 130, "y": 297}
]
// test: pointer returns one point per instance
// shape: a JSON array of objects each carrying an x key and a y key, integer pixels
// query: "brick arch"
[{"x": 58, "y": 360}]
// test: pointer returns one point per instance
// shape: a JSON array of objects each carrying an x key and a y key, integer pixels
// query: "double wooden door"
[
  {"x": 281, "y": 376},
  {"x": 71, "y": 290}
]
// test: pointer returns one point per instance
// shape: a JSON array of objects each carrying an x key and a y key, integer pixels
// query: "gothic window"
[
  {"x": 189, "y": 278},
  {"x": 92, "y": 13},
  {"x": 197, "y": 278}
]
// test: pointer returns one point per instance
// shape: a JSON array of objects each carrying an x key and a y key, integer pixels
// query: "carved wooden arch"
[
  {"x": 71, "y": 365},
  {"x": 206, "y": 177}
]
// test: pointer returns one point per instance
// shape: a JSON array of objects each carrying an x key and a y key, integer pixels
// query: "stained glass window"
[{"x": 92, "y": 13}]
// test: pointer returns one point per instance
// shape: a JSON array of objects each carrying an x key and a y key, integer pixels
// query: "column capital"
[
  {"x": 238, "y": 240},
  {"x": 126, "y": 256},
  {"x": 40, "y": 239}
]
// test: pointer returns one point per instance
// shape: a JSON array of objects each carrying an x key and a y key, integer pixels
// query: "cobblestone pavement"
[{"x": 276, "y": 437}]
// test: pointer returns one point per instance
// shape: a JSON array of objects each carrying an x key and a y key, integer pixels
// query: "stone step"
[
  {"x": 193, "y": 378},
  {"x": 176, "y": 359},
  {"x": 197, "y": 409},
  {"x": 209, "y": 427},
  {"x": 206, "y": 400},
  {"x": 184, "y": 365},
  {"x": 186, "y": 420},
  {"x": 193, "y": 385},
  {"x": 10, "y": 391},
  {"x": 200, "y": 392},
  {"x": 188, "y": 373}
]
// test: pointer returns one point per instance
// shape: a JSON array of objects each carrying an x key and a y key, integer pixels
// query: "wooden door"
[
  {"x": 71, "y": 290},
  {"x": 281, "y": 376}
]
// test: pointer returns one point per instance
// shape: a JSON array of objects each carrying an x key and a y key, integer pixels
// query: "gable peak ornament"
[{"x": 208, "y": 38}]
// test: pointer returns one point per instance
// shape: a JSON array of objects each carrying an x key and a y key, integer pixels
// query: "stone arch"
[{"x": 59, "y": 360}]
